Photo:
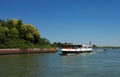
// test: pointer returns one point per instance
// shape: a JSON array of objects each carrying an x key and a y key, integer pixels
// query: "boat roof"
[
  {"x": 87, "y": 45},
  {"x": 78, "y": 45}
]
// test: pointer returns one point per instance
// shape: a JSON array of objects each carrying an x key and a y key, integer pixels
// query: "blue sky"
[{"x": 76, "y": 21}]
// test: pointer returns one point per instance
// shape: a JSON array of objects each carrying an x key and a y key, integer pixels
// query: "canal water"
[{"x": 98, "y": 63}]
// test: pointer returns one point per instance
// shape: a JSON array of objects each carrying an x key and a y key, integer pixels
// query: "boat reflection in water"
[{"x": 75, "y": 49}]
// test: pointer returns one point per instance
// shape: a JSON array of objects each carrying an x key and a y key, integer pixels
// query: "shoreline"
[{"x": 27, "y": 51}]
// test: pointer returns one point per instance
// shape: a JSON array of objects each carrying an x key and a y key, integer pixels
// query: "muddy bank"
[{"x": 27, "y": 51}]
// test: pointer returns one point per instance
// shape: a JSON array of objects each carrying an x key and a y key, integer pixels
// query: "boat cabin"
[{"x": 77, "y": 46}]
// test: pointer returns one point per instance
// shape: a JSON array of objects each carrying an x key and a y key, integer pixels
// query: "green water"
[{"x": 96, "y": 64}]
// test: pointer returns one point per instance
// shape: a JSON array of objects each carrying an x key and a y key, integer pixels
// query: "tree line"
[{"x": 16, "y": 34}]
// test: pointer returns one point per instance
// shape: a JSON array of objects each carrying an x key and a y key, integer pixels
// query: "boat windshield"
[{"x": 73, "y": 46}]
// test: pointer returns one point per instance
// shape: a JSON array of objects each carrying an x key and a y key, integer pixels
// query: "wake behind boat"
[{"x": 75, "y": 49}]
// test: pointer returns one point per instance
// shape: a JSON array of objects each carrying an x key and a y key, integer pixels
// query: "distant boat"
[
  {"x": 75, "y": 49},
  {"x": 104, "y": 49}
]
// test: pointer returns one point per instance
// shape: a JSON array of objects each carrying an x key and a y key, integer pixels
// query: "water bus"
[{"x": 75, "y": 49}]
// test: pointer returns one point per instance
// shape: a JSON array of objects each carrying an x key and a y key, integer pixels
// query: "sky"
[{"x": 75, "y": 21}]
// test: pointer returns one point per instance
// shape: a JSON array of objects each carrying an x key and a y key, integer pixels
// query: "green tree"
[
  {"x": 13, "y": 23},
  {"x": 3, "y": 32},
  {"x": 44, "y": 41},
  {"x": 29, "y": 32},
  {"x": 13, "y": 33}
]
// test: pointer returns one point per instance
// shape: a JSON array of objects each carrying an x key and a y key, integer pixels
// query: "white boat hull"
[{"x": 79, "y": 50}]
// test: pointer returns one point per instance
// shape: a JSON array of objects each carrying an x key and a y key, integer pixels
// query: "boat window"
[{"x": 79, "y": 46}]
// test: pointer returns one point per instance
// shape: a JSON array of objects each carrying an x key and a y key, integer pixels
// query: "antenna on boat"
[{"x": 90, "y": 43}]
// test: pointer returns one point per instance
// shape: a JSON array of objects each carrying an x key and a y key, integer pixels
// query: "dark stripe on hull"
[{"x": 76, "y": 52}]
